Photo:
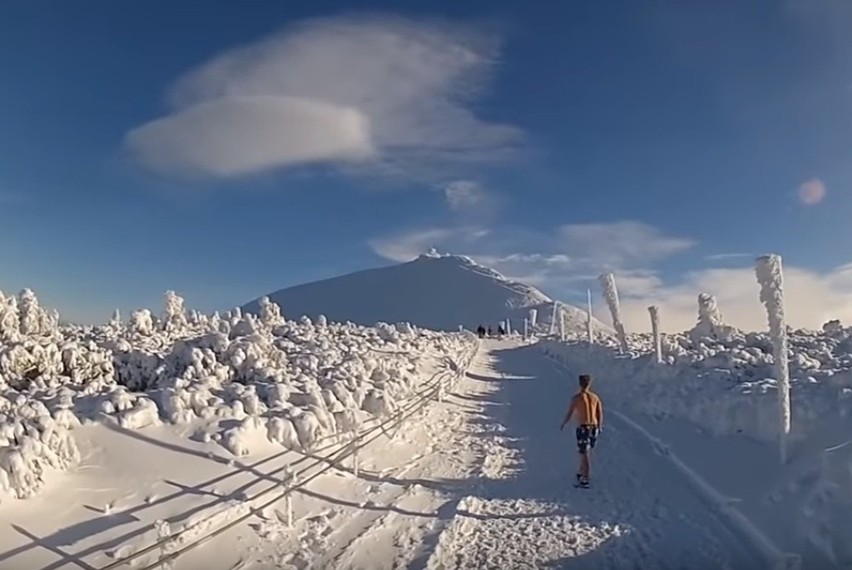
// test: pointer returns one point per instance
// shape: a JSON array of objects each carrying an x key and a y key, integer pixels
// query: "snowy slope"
[{"x": 434, "y": 291}]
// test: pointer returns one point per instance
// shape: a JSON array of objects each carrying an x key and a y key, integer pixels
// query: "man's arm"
[
  {"x": 599, "y": 413},
  {"x": 568, "y": 414}
]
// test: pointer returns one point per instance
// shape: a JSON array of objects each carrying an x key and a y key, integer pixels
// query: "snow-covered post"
[
  {"x": 610, "y": 293},
  {"x": 771, "y": 280},
  {"x": 354, "y": 455},
  {"x": 655, "y": 328},
  {"x": 533, "y": 318},
  {"x": 526, "y": 328},
  {"x": 562, "y": 326},
  {"x": 553, "y": 320},
  {"x": 589, "y": 330},
  {"x": 289, "y": 500},
  {"x": 508, "y": 327}
]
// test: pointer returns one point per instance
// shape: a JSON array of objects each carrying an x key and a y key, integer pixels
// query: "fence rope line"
[{"x": 417, "y": 402}]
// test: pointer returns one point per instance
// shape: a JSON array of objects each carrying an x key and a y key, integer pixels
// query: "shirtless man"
[{"x": 589, "y": 413}]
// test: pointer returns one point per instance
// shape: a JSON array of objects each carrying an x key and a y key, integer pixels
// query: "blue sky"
[{"x": 226, "y": 150}]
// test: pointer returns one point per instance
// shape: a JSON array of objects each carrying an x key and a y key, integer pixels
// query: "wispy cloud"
[
  {"x": 464, "y": 195},
  {"x": 560, "y": 260},
  {"x": 408, "y": 245},
  {"x": 727, "y": 256},
  {"x": 358, "y": 90},
  {"x": 812, "y": 192},
  {"x": 622, "y": 244}
]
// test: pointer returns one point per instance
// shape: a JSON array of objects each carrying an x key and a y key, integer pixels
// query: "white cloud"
[
  {"x": 620, "y": 244},
  {"x": 262, "y": 132},
  {"x": 812, "y": 192},
  {"x": 380, "y": 90},
  {"x": 728, "y": 256},
  {"x": 810, "y": 299},
  {"x": 542, "y": 259},
  {"x": 566, "y": 260},
  {"x": 409, "y": 245},
  {"x": 464, "y": 194}
]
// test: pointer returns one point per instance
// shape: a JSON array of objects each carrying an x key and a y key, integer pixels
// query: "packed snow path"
[
  {"x": 492, "y": 487},
  {"x": 523, "y": 512}
]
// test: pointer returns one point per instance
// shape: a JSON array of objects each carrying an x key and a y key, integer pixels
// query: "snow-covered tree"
[
  {"x": 770, "y": 277},
  {"x": 141, "y": 322},
  {"x": 655, "y": 329},
  {"x": 270, "y": 313},
  {"x": 31, "y": 315},
  {"x": 10, "y": 322},
  {"x": 174, "y": 317},
  {"x": 610, "y": 294},
  {"x": 710, "y": 323}
]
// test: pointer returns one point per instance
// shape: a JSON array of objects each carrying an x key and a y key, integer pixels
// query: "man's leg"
[
  {"x": 582, "y": 448},
  {"x": 593, "y": 438}
]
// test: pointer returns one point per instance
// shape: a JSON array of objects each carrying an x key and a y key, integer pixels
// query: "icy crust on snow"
[{"x": 239, "y": 379}]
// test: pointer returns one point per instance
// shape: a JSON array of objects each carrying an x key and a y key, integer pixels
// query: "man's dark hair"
[{"x": 585, "y": 380}]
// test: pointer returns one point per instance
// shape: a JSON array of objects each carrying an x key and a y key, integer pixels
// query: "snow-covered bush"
[{"x": 288, "y": 382}]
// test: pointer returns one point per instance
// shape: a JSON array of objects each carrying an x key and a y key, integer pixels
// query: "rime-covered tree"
[
  {"x": 710, "y": 323},
  {"x": 141, "y": 322},
  {"x": 174, "y": 316},
  {"x": 10, "y": 322},
  {"x": 31, "y": 315},
  {"x": 270, "y": 313}
]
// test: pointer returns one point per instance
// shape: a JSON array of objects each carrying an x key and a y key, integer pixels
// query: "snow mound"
[{"x": 434, "y": 291}]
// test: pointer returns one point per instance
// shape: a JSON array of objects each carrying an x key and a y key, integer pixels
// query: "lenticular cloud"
[{"x": 329, "y": 90}]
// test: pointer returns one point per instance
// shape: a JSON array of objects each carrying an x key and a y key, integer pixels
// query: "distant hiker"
[
  {"x": 500, "y": 331},
  {"x": 490, "y": 332},
  {"x": 480, "y": 331},
  {"x": 586, "y": 406}
]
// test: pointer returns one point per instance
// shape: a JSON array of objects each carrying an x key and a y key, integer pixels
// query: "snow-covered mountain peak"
[{"x": 436, "y": 290}]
